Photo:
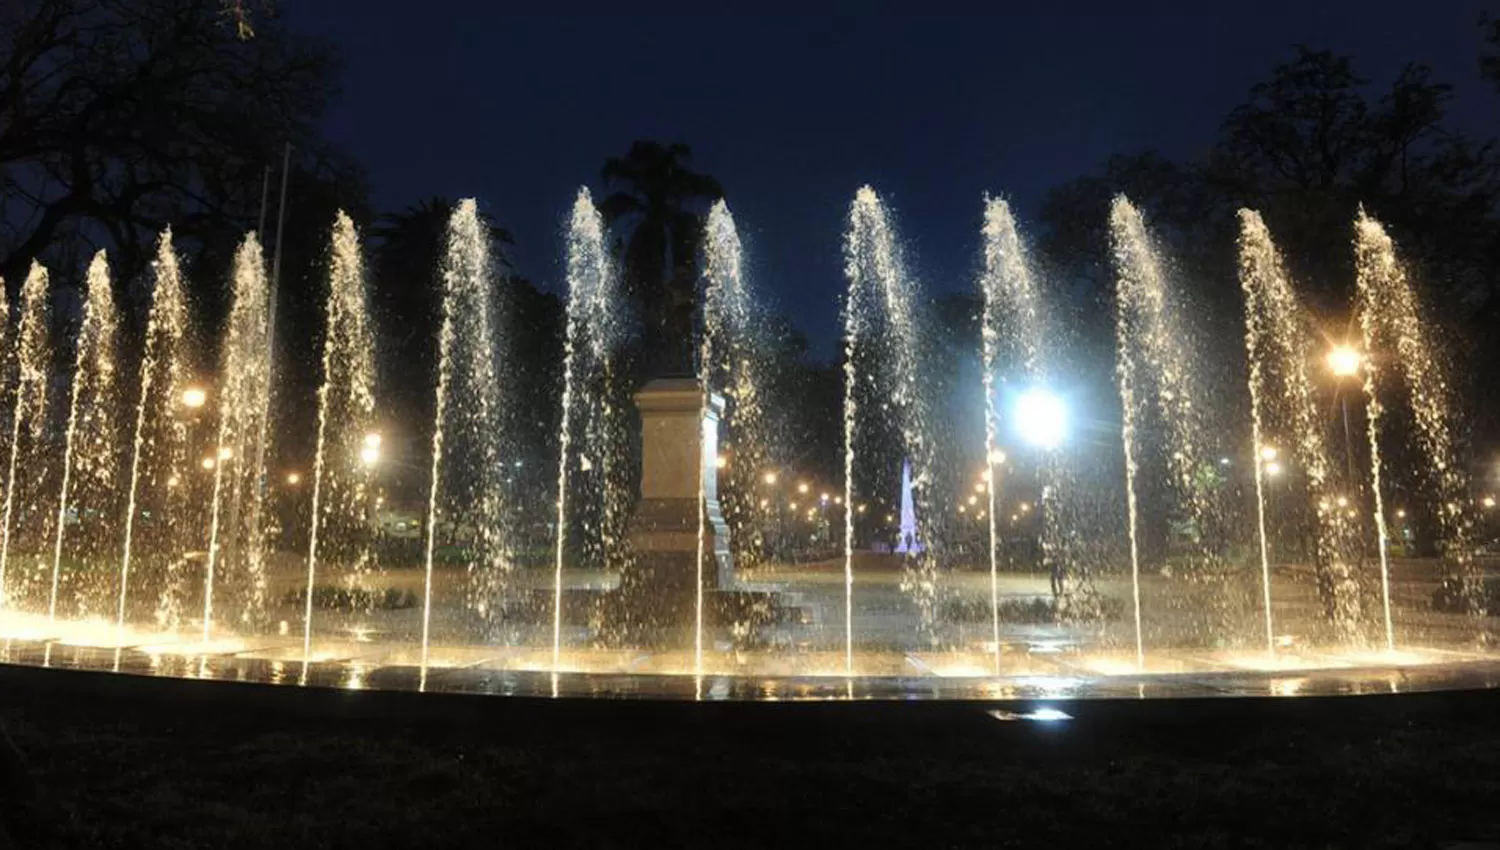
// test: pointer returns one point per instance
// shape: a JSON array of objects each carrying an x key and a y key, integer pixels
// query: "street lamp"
[
  {"x": 194, "y": 397},
  {"x": 1041, "y": 418},
  {"x": 769, "y": 478},
  {"x": 369, "y": 452},
  {"x": 294, "y": 478},
  {"x": 1345, "y": 361}
]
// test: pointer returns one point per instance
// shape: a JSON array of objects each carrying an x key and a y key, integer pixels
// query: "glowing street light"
[
  {"x": 769, "y": 478},
  {"x": 1489, "y": 502},
  {"x": 1273, "y": 469},
  {"x": 1344, "y": 361},
  {"x": 194, "y": 397},
  {"x": 1268, "y": 453},
  {"x": 1401, "y": 514},
  {"x": 1041, "y": 418},
  {"x": 369, "y": 452},
  {"x": 207, "y": 463},
  {"x": 294, "y": 478},
  {"x": 802, "y": 487}
]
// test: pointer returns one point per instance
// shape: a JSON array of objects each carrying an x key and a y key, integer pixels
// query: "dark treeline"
[{"x": 119, "y": 117}]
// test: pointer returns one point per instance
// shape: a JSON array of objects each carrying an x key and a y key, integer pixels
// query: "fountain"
[
  {"x": 881, "y": 292},
  {"x": 1013, "y": 328},
  {"x": 159, "y": 528},
  {"x": 26, "y": 471},
  {"x": 466, "y": 503},
  {"x": 1155, "y": 376},
  {"x": 90, "y": 473},
  {"x": 115, "y": 522},
  {"x": 590, "y": 416},
  {"x": 348, "y": 444},
  {"x": 1390, "y": 321},
  {"x": 236, "y": 536},
  {"x": 1285, "y": 412}
]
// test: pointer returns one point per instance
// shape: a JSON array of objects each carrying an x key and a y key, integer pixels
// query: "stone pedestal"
[{"x": 679, "y": 450}]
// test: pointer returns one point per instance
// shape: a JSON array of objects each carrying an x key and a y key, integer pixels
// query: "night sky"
[{"x": 792, "y": 109}]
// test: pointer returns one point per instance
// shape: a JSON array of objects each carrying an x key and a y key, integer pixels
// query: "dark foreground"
[{"x": 112, "y": 762}]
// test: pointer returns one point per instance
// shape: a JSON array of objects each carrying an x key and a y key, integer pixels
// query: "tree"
[
  {"x": 118, "y": 117},
  {"x": 660, "y": 202}
]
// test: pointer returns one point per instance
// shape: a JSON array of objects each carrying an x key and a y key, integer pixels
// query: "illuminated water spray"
[
  {"x": 881, "y": 293},
  {"x": 1012, "y": 328},
  {"x": 593, "y": 337},
  {"x": 158, "y": 486},
  {"x": 90, "y": 442},
  {"x": 27, "y": 452},
  {"x": 1397, "y": 342},
  {"x": 467, "y": 485},
  {"x": 1155, "y": 375},
  {"x": 729, "y": 364},
  {"x": 235, "y": 539},
  {"x": 348, "y": 446},
  {"x": 1284, "y": 412}
]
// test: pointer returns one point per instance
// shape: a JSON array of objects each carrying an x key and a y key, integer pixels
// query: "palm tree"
[{"x": 660, "y": 201}]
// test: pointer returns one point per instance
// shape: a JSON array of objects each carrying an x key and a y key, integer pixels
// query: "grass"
[{"x": 134, "y": 770}]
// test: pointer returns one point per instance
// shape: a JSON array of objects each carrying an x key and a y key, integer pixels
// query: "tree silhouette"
[
  {"x": 660, "y": 202},
  {"x": 120, "y": 116}
]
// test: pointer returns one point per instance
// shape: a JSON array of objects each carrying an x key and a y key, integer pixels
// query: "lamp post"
[{"x": 1345, "y": 361}]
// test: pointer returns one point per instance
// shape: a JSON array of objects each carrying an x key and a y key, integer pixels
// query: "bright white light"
[
  {"x": 369, "y": 453},
  {"x": 1268, "y": 453},
  {"x": 1273, "y": 469},
  {"x": 1344, "y": 361},
  {"x": 1041, "y": 418},
  {"x": 194, "y": 397},
  {"x": 997, "y": 458}
]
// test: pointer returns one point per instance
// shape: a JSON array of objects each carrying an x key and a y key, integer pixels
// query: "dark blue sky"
[{"x": 792, "y": 107}]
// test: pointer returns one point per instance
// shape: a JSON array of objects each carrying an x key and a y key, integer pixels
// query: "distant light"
[
  {"x": 225, "y": 453},
  {"x": 802, "y": 487},
  {"x": 194, "y": 397},
  {"x": 1489, "y": 501},
  {"x": 1341, "y": 502},
  {"x": 792, "y": 505},
  {"x": 1041, "y": 418},
  {"x": 172, "y": 481},
  {"x": 979, "y": 488},
  {"x": 207, "y": 463},
  {"x": 838, "y": 500},
  {"x": 862, "y": 508},
  {"x": 1223, "y": 461},
  {"x": 1273, "y": 469},
  {"x": 973, "y": 500},
  {"x": 824, "y": 497},
  {"x": 1401, "y": 514},
  {"x": 1025, "y": 506},
  {"x": 1344, "y": 361},
  {"x": 997, "y": 457},
  {"x": 369, "y": 453},
  {"x": 961, "y": 509},
  {"x": 1041, "y": 714},
  {"x": 721, "y": 461},
  {"x": 769, "y": 478},
  {"x": 1268, "y": 453},
  {"x": 519, "y": 464},
  {"x": 294, "y": 478}
]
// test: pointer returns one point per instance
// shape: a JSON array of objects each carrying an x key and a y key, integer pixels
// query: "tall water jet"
[
  {"x": 732, "y": 364},
  {"x": 91, "y": 452},
  {"x": 1396, "y": 340},
  {"x": 588, "y": 406},
  {"x": 467, "y": 489},
  {"x": 158, "y": 529},
  {"x": 880, "y": 292},
  {"x": 1284, "y": 412},
  {"x": 27, "y": 451},
  {"x": 1155, "y": 375},
  {"x": 1013, "y": 328},
  {"x": 348, "y": 446},
  {"x": 235, "y": 537}
]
